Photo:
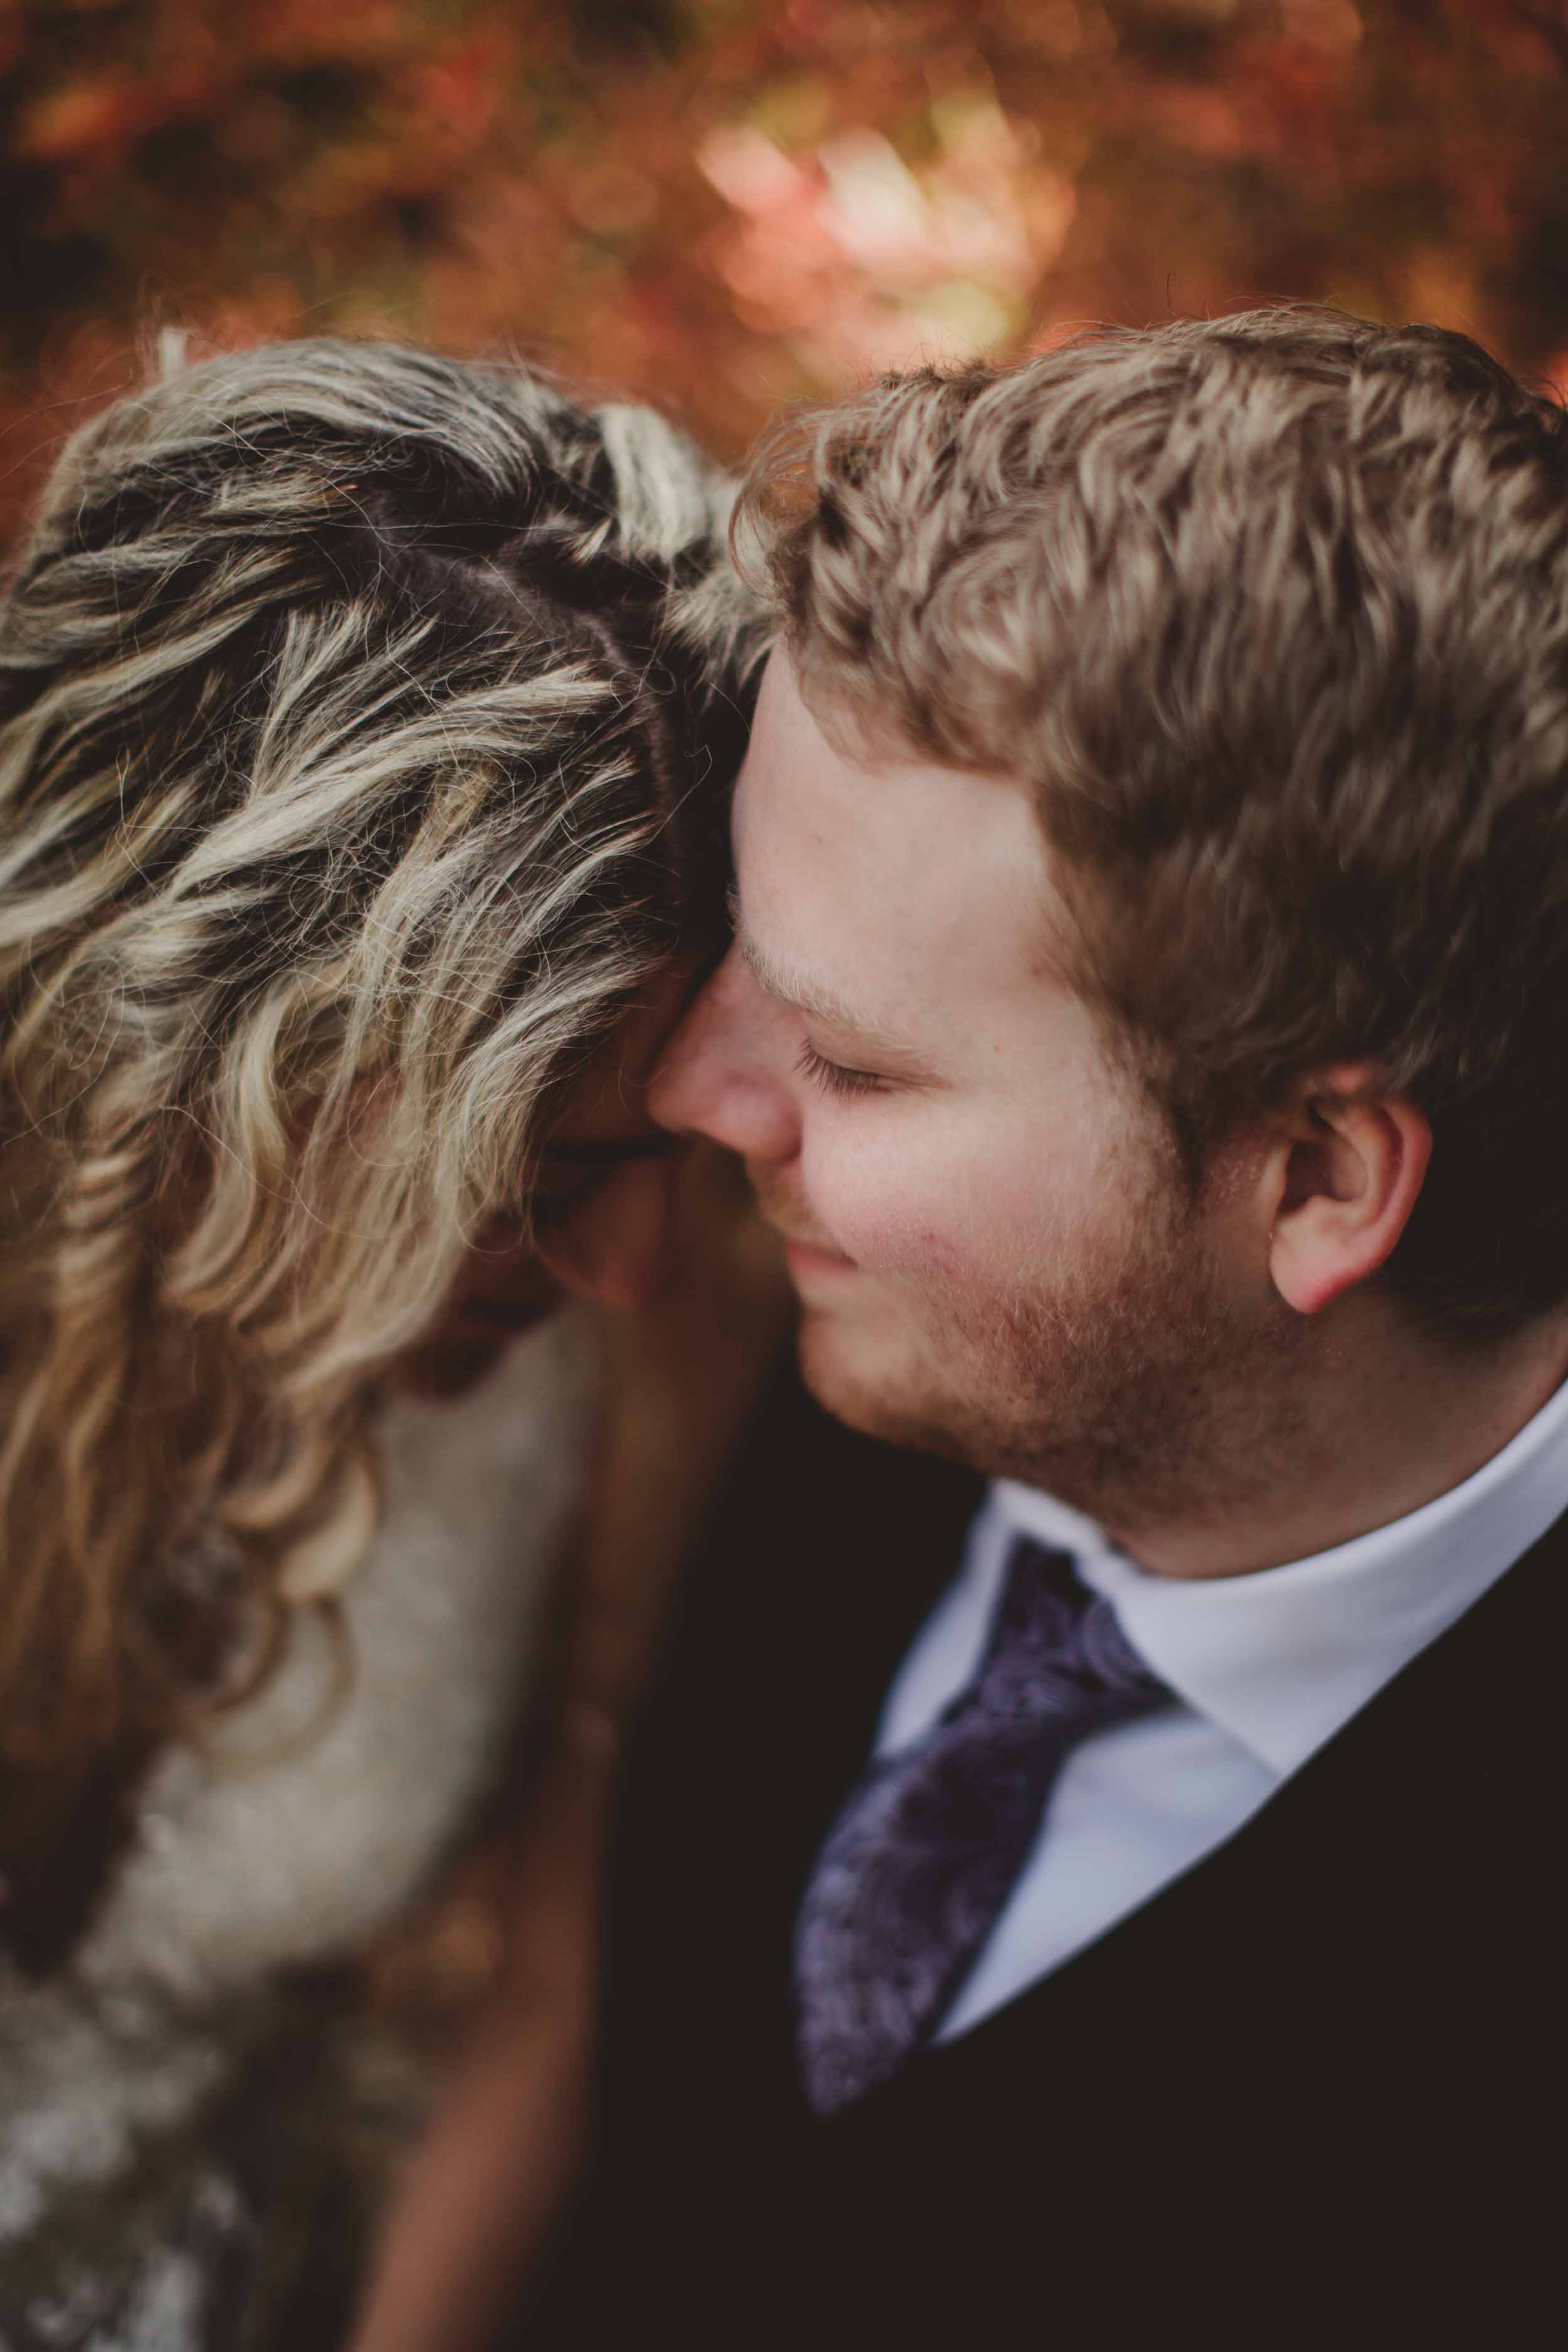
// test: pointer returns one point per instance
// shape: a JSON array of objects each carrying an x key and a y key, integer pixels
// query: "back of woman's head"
[{"x": 363, "y": 721}]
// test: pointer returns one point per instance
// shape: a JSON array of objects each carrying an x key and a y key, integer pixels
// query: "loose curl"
[{"x": 362, "y": 716}]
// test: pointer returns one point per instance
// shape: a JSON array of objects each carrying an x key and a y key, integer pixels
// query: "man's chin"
[{"x": 878, "y": 1393}]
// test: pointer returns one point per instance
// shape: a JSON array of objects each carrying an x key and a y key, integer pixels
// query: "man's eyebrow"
[{"x": 810, "y": 997}]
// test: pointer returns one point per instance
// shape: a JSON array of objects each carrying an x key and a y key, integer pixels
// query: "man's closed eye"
[{"x": 834, "y": 1077}]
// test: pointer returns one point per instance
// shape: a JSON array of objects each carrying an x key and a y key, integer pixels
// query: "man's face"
[{"x": 995, "y": 1253}]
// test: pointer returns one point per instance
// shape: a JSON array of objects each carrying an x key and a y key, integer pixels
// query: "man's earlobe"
[{"x": 1350, "y": 1171}]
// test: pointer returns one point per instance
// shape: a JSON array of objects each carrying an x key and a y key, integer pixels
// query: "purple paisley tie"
[{"x": 919, "y": 1865}]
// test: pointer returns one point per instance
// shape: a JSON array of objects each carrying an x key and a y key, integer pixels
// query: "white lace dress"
[{"x": 123, "y": 2224}]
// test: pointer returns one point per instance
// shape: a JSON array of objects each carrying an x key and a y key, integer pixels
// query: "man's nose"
[{"x": 724, "y": 1073}]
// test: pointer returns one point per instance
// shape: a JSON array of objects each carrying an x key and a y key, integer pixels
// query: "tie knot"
[{"x": 1047, "y": 1620}]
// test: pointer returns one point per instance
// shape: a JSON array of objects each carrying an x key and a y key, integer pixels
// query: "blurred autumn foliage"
[{"x": 722, "y": 204}]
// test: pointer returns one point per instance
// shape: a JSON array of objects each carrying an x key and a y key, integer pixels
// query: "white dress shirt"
[{"x": 1265, "y": 1669}]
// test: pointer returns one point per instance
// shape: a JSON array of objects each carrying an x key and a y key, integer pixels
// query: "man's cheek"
[{"x": 915, "y": 1245}]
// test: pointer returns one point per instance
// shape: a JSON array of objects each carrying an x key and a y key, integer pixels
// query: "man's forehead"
[
  {"x": 810, "y": 993},
  {"x": 789, "y": 727},
  {"x": 867, "y": 875}
]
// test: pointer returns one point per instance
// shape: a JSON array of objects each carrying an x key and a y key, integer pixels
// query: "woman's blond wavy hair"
[{"x": 363, "y": 721}]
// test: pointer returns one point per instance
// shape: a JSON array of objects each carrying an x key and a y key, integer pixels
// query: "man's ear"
[{"x": 1349, "y": 1170}]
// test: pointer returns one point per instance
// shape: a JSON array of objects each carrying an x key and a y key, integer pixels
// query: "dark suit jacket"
[{"x": 1310, "y": 2091}]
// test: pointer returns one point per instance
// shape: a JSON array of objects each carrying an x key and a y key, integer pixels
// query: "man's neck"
[{"x": 1383, "y": 1421}]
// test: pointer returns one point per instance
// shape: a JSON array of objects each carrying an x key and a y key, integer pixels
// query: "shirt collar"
[{"x": 1281, "y": 1658}]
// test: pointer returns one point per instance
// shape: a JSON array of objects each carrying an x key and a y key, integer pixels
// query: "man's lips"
[
  {"x": 806, "y": 1252},
  {"x": 809, "y": 1257}
]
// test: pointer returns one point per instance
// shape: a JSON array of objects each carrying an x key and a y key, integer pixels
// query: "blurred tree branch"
[{"x": 722, "y": 203}]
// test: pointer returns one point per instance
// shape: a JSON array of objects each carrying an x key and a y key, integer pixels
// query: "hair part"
[
  {"x": 364, "y": 721},
  {"x": 1271, "y": 614}
]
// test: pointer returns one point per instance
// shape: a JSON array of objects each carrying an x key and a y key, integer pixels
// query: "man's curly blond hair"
[{"x": 363, "y": 717}]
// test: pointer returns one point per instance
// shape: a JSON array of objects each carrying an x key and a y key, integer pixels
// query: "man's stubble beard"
[{"x": 1133, "y": 1388}]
